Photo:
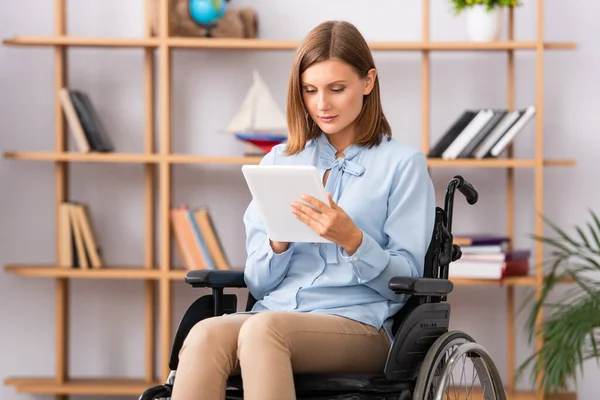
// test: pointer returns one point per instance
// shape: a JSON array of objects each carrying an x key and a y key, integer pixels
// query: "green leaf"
[
  {"x": 596, "y": 220},
  {"x": 552, "y": 242},
  {"x": 594, "y": 235},
  {"x": 560, "y": 232},
  {"x": 583, "y": 238}
]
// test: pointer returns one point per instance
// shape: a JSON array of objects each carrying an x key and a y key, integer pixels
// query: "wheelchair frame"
[{"x": 420, "y": 328}]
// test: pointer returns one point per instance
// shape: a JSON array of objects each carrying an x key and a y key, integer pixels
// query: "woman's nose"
[{"x": 322, "y": 103}]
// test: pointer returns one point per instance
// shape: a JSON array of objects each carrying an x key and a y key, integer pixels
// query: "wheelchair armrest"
[
  {"x": 421, "y": 286},
  {"x": 216, "y": 279}
]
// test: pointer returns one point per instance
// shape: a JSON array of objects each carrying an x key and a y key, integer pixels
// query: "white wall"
[{"x": 107, "y": 324}]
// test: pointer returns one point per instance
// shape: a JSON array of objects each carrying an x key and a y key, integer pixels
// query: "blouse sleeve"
[
  {"x": 265, "y": 269},
  {"x": 408, "y": 228}
]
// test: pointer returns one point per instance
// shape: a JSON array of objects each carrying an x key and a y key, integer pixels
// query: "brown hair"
[{"x": 341, "y": 40}]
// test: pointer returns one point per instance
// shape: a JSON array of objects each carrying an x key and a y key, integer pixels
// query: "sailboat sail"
[{"x": 259, "y": 112}]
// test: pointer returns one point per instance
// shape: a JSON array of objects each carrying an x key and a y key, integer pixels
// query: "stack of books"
[
  {"x": 481, "y": 133},
  {"x": 486, "y": 256},
  {"x": 79, "y": 246},
  {"x": 196, "y": 239}
]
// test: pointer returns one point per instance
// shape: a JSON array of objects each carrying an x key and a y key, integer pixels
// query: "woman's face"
[{"x": 333, "y": 94}]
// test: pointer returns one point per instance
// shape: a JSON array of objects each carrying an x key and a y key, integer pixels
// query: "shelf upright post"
[
  {"x": 510, "y": 210},
  {"x": 539, "y": 180},
  {"x": 425, "y": 81},
  {"x": 61, "y": 178},
  {"x": 149, "y": 200},
  {"x": 164, "y": 55}
]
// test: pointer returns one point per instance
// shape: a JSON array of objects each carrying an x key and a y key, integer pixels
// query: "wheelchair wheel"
[
  {"x": 157, "y": 393},
  {"x": 446, "y": 373}
]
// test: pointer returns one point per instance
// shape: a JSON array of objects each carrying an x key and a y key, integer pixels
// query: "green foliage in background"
[
  {"x": 459, "y": 5},
  {"x": 571, "y": 325}
]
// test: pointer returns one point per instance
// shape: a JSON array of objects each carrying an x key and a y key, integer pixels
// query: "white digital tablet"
[{"x": 274, "y": 188}]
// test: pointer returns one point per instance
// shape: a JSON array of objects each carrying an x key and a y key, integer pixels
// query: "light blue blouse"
[{"x": 388, "y": 193}]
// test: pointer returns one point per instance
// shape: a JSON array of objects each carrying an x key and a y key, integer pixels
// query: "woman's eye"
[
  {"x": 337, "y": 90},
  {"x": 309, "y": 90}
]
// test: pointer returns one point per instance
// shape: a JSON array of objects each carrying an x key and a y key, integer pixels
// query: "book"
[
  {"x": 91, "y": 122},
  {"x": 467, "y": 134},
  {"x": 451, "y": 133},
  {"x": 79, "y": 135},
  {"x": 78, "y": 245}
]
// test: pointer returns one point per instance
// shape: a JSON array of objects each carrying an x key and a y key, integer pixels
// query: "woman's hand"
[{"x": 330, "y": 222}]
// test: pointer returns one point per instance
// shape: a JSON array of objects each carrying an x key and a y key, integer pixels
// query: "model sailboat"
[{"x": 259, "y": 121}]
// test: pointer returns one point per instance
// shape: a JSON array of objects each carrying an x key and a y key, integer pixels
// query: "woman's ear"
[{"x": 370, "y": 81}]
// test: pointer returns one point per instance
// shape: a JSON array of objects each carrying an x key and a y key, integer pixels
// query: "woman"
[{"x": 323, "y": 308}]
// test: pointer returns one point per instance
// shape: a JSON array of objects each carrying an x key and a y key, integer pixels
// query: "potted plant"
[
  {"x": 483, "y": 17},
  {"x": 571, "y": 325}
]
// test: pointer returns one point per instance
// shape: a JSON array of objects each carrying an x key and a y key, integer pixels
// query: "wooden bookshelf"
[{"x": 159, "y": 160}]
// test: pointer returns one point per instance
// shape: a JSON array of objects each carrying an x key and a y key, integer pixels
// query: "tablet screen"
[{"x": 274, "y": 188}]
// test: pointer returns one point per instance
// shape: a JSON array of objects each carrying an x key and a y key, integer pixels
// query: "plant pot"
[{"x": 483, "y": 25}]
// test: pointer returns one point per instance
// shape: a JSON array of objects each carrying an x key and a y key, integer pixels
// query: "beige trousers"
[{"x": 266, "y": 348}]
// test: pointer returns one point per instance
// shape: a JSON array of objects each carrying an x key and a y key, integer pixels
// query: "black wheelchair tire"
[{"x": 430, "y": 360}]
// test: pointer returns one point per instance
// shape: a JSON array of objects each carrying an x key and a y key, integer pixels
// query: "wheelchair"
[{"x": 423, "y": 354}]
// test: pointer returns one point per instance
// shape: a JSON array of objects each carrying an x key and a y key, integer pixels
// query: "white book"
[
  {"x": 512, "y": 132},
  {"x": 476, "y": 270},
  {"x": 496, "y": 133},
  {"x": 467, "y": 134},
  {"x": 73, "y": 121}
]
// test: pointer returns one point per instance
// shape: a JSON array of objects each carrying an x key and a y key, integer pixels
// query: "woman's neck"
[{"x": 341, "y": 141}]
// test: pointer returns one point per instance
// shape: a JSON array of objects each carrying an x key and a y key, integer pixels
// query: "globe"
[{"x": 206, "y": 12}]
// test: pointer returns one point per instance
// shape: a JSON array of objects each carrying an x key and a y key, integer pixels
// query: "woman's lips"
[{"x": 328, "y": 118}]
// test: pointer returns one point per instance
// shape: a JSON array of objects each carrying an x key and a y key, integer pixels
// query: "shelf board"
[
  {"x": 135, "y": 387},
  {"x": 81, "y": 41},
  {"x": 110, "y": 272},
  {"x": 497, "y": 162},
  {"x": 83, "y": 157},
  {"x": 52, "y": 271},
  {"x": 265, "y": 44},
  {"x": 509, "y": 281},
  {"x": 196, "y": 159},
  {"x": 268, "y": 44},
  {"x": 91, "y": 386},
  {"x": 138, "y": 272}
]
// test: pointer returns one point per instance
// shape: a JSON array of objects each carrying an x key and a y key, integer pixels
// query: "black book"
[
  {"x": 452, "y": 133},
  {"x": 91, "y": 123},
  {"x": 469, "y": 150}
]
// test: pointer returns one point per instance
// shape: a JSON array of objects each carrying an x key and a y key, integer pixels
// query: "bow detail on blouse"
[
  {"x": 328, "y": 161},
  {"x": 337, "y": 166}
]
